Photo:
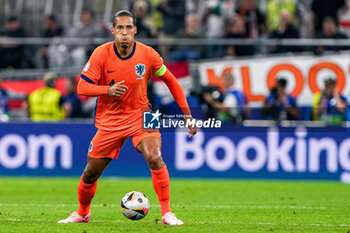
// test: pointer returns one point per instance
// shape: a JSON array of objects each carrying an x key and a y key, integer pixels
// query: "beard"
[{"x": 124, "y": 46}]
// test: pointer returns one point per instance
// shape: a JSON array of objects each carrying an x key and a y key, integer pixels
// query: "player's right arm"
[
  {"x": 91, "y": 74},
  {"x": 89, "y": 89},
  {"x": 160, "y": 70}
]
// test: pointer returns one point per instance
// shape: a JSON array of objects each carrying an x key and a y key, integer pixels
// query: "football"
[{"x": 134, "y": 205}]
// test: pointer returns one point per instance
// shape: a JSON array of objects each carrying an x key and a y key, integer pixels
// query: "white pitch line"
[
  {"x": 266, "y": 207},
  {"x": 44, "y": 220},
  {"x": 299, "y": 224},
  {"x": 278, "y": 224},
  {"x": 212, "y": 222},
  {"x": 179, "y": 206}
]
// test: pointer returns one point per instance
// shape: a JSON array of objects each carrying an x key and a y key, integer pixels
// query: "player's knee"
[
  {"x": 91, "y": 175},
  {"x": 155, "y": 161}
]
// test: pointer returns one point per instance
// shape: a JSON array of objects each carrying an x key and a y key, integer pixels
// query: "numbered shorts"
[{"x": 107, "y": 144}]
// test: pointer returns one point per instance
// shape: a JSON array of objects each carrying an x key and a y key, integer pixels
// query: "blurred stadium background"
[{"x": 276, "y": 72}]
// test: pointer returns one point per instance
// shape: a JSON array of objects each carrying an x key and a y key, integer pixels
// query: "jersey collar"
[{"x": 124, "y": 58}]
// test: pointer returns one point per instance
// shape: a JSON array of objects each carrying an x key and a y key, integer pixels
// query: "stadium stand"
[{"x": 62, "y": 36}]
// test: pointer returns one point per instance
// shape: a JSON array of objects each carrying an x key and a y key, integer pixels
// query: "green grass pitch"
[{"x": 36, "y": 204}]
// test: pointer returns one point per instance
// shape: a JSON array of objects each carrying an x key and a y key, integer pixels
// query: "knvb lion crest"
[{"x": 140, "y": 70}]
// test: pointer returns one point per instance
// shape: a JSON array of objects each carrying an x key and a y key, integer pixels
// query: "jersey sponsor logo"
[
  {"x": 87, "y": 66},
  {"x": 140, "y": 70},
  {"x": 110, "y": 71}
]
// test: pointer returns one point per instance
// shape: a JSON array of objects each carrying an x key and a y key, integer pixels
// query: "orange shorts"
[{"x": 107, "y": 144}]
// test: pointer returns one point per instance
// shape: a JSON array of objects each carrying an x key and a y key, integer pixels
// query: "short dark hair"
[
  {"x": 12, "y": 18},
  {"x": 282, "y": 82},
  {"x": 51, "y": 17},
  {"x": 89, "y": 11},
  {"x": 330, "y": 19},
  {"x": 330, "y": 81},
  {"x": 124, "y": 13},
  {"x": 72, "y": 80}
]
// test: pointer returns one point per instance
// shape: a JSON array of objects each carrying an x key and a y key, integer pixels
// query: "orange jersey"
[{"x": 106, "y": 67}]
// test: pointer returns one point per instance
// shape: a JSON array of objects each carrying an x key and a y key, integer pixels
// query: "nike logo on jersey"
[
  {"x": 110, "y": 71},
  {"x": 163, "y": 187}
]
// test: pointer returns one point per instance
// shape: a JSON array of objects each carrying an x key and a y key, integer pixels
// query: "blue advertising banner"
[{"x": 60, "y": 149}]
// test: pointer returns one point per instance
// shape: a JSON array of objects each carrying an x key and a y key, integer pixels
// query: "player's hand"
[
  {"x": 192, "y": 128},
  {"x": 118, "y": 89}
]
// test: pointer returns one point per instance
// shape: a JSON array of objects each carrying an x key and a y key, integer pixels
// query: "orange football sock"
[
  {"x": 85, "y": 194},
  {"x": 160, "y": 180}
]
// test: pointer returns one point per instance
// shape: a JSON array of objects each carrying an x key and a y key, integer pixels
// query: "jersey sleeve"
[
  {"x": 293, "y": 101},
  {"x": 158, "y": 67},
  {"x": 343, "y": 98},
  {"x": 160, "y": 70},
  {"x": 230, "y": 101},
  {"x": 270, "y": 99},
  {"x": 245, "y": 99},
  {"x": 176, "y": 91},
  {"x": 93, "y": 68},
  {"x": 89, "y": 89}
]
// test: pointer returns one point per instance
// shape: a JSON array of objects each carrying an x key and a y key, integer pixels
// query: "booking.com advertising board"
[{"x": 59, "y": 149}]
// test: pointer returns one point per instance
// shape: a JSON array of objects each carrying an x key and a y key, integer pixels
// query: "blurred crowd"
[
  {"x": 47, "y": 103},
  {"x": 205, "y": 19},
  {"x": 228, "y": 104},
  {"x": 202, "y": 19}
]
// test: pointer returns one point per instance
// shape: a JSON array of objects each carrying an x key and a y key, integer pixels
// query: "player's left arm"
[{"x": 178, "y": 94}]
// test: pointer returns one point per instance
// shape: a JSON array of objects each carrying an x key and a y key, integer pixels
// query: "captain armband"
[{"x": 161, "y": 71}]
